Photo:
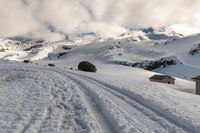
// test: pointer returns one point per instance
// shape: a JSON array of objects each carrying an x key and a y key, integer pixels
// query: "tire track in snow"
[
  {"x": 164, "y": 121},
  {"x": 149, "y": 114},
  {"x": 165, "y": 125},
  {"x": 124, "y": 124},
  {"x": 106, "y": 109},
  {"x": 96, "y": 110},
  {"x": 67, "y": 108},
  {"x": 102, "y": 121}
]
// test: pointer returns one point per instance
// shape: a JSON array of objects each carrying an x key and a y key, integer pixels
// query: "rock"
[
  {"x": 65, "y": 47},
  {"x": 52, "y": 56},
  {"x": 62, "y": 54},
  {"x": 52, "y": 65},
  {"x": 34, "y": 47},
  {"x": 195, "y": 50},
  {"x": 27, "y": 61},
  {"x": 87, "y": 66}
]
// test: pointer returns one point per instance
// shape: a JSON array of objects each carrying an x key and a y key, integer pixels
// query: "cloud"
[
  {"x": 107, "y": 17},
  {"x": 105, "y": 29},
  {"x": 151, "y": 13},
  {"x": 14, "y": 19}
]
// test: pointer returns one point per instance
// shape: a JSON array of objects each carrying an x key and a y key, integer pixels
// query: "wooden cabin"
[
  {"x": 162, "y": 79},
  {"x": 197, "y": 80}
]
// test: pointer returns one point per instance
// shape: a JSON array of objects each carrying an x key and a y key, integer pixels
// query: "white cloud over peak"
[{"x": 23, "y": 17}]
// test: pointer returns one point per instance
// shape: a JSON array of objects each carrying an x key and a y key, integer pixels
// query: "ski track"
[{"x": 57, "y": 101}]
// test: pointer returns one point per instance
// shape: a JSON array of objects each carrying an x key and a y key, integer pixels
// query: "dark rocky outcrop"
[
  {"x": 152, "y": 65},
  {"x": 57, "y": 55},
  {"x": 195, "y": 50},
  {"x": 34, "y": 47}
]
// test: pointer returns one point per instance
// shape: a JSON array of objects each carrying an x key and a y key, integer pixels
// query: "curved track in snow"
[
  {"x": 38, "y": 99},
  {"x": 124, "y": 113}
]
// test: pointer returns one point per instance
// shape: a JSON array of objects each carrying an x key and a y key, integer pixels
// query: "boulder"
[{"x": 87, "y": 66}]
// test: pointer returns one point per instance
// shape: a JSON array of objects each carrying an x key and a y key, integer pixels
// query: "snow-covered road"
[
  {"x": 53, "y": 100},
  {"x": 122, "y": 112}
]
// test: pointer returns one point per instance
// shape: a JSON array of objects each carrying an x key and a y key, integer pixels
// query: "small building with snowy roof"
[{"x": 162, "y": 79}]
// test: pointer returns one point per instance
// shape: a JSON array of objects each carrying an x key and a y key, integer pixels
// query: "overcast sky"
[{"x": 32, "y": 17}]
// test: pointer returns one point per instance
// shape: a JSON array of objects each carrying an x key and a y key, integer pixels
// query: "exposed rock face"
[
  {"x": 57, "y": 55},
  {"x": 195, "y": 50},
  {"x": 152, "y": 65}
]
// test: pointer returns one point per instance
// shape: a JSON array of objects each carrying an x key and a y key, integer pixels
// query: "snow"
[
  {"x": 184, "y": 29},
  {"x": 39, "y": 99},
  {"x": 35, "y": 97}
]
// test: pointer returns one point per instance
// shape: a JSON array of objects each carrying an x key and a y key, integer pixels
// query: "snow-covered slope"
[
  {"x": 35, "y": 98},
  {"x": 120, "y": 98},
  {"x": 120, "y": 50},
  {"x": 126, "y": 50}
]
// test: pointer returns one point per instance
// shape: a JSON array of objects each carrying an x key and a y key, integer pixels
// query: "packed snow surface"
[{"x": 35, "y": 97}]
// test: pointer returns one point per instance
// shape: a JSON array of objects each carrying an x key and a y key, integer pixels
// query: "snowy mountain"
[
  {"x": 161, "y": 34},
  {"x": 126, "y": 49},
  {"x": 36, "y": 97}
]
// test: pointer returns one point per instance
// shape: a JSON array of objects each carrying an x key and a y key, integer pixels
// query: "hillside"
[{"x": 118, "y": 98}]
